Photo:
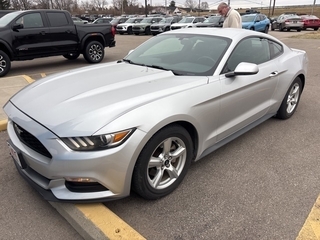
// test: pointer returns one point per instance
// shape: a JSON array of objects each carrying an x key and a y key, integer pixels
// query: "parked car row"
[
  {"x": 296, "y": 22},
  {"x": 252, "y": 21}
]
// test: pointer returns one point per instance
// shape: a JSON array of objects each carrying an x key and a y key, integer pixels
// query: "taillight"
[{"x": 113, "y": 31}]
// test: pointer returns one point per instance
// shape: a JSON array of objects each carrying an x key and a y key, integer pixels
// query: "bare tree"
[
  {"x": 204, "y": 5},
  {"x": 191, "y": 4},
  {"x": 21, "y": 4},
  {"x": 100, "y": 4}
]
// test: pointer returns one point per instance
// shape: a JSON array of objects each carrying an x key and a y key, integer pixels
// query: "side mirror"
[
  {"x": 17, "y": 26},
  {"x": 244, "y": 68}
]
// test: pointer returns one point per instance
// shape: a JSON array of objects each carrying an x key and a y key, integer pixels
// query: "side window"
[
  {"x": 251, "y": 50},
  {"x": 31, "y": 20},
  {"x": 57, "y": 19},
  {"x": 275, "y": 49}
]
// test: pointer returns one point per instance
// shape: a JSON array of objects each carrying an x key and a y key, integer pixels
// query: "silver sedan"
[{"x": 99, "y": 132}]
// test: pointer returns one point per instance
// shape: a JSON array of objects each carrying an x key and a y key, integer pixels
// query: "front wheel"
[
  {"x": 5, "y": 64},
  {"x": 266, "y": 30},
  {"x": 94, "y": 52},
  {"x": 163, "y": 163},
  {"x": 291, "y": 100}
]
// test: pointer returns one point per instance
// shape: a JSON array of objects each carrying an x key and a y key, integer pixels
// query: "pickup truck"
[{"x": 25, "y": 35}]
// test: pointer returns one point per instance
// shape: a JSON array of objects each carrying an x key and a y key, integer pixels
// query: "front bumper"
[{"x": 111, "y": 169}]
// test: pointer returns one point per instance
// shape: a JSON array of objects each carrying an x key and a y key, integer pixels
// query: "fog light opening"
[{"x": 80, "y": 179}]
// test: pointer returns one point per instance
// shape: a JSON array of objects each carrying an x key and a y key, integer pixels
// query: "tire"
[
  {"x": 163, "y": 163},
  {"x": 316, "y": 29},
  {"x": 266, "y": 30},
  {"x": 147, "y": 31},
  {"x": 129, "y": 31},
  {"x": 5, "y": 64},
  {"x": 299, "y": 30},
  {"x": 121, "y": 33},
  {"x": 154, "y": 34},
  {"x": 291, "y": 100},
  {"x": 136, "y": 34},
  {"x": 280, "y": 28},
  {"x": 71, "y": 56},
  {"x": 288, "y": 29},
  {"x": 94, "y": 52},
  {"x": 252, "y": 28}
]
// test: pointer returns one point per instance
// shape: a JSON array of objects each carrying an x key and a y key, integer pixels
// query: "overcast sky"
[{"x": 237, "y": 3}]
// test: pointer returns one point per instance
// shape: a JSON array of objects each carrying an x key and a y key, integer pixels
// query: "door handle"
[
  {"x": 273, "y": 74},
  {"x": 68, "y": 31},
  {"x": 42, "y": 33}
]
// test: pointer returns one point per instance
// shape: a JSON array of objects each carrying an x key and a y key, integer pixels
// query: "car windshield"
[
  {"x": 8, "y": 18},
  {"x": 146, "y": 20},
  {"x": 212, "y": 20},
  {"x": 183, "y": 54},
  {"x": 131, "y": 20},
  {"x": 248, "y": 18},
  {"x": 166, "y": 20},
  {"x": 186, "y": 20}
]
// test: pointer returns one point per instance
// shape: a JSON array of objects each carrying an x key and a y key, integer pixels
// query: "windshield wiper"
[{"x": 158, "y": 67}]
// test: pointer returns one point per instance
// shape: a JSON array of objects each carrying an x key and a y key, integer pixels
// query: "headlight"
[{"x": 99, "y": 142}]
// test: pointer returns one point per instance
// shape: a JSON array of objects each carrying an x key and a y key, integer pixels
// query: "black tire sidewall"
[
  {"x": 140, "y": 182},
  {"x": 86, "y": 53},
  {"x": 8, "y": 64},
  {"x": 282, "y": 112}
]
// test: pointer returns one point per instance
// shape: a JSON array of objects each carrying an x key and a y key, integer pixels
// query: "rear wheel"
[
  {"x": 5, "y": 64},
  {"x": 291, "y": 100},
  {"x": 129, "y": 31},
  {"x": 94, "y": 52},
  {"x": 299, "y": 30},
  {"x": 147, "y": 31},
  {"x": 266, "y": 30},
  {"x": 136, "y": 34},
  {"x": 316, "y": 29},
  {"x": 163, "y": 163}
]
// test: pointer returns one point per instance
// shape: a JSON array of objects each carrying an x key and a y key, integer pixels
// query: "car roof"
[{"x": 232, "y": 33}]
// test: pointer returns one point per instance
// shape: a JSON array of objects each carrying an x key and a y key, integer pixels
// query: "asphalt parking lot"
[{"x": 260, "y": 186}]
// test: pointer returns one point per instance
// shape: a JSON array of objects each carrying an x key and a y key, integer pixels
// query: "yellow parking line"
[
  {"x": 43, "y": 75},
  {"x": 108, "y": 222},
  {"x": 311, "y": 227},
  {"x": 28, "y": 79}
]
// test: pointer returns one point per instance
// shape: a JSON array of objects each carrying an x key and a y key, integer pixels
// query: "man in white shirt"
[{"x": 232, "y": 17}]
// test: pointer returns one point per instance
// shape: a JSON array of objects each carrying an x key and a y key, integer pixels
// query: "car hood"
[
  {"x": 80, "y": 102},
  {"x": 246, "y": 24},
  {"x": 142, "y": 24},
  {"x": 181, "y": 24}
]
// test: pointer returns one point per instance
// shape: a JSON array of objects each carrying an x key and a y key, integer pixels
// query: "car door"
[
  {"x": 246, "y": 99},
  {"x": 30, "y": 35},
  {"x": 63, "y": 34},
  {"x": 259, "y": 23}
]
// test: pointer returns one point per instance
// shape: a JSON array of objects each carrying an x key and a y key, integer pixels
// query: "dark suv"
[{"x": 164, "y": 25}]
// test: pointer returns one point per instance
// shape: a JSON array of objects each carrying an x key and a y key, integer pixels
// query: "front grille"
[
  {"x": 154, "y": 27},
  {"x": 30, "y": 140}
]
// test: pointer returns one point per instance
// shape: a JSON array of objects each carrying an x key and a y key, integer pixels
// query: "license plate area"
[{"x": 16, "y": 155}]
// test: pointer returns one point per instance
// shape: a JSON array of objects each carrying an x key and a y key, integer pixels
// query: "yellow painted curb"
[
  {"x": 3, "y": 125},
  {"x": 311, "y": 227},
  {"x": 28, "y": 79},
  {"x": 108, "y": 222}
]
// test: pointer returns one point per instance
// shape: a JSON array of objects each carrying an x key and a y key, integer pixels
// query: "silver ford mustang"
[{"x": 96, "y": 133}]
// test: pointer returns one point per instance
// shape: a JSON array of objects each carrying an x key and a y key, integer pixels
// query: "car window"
[
  {"x": 57, "y": 19},
  {"x": 31, "y": 20},
  {"x": 275, "y": 49},
  {"x": 251, "y": 50},
  {"x": 184, "y": 55}
]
